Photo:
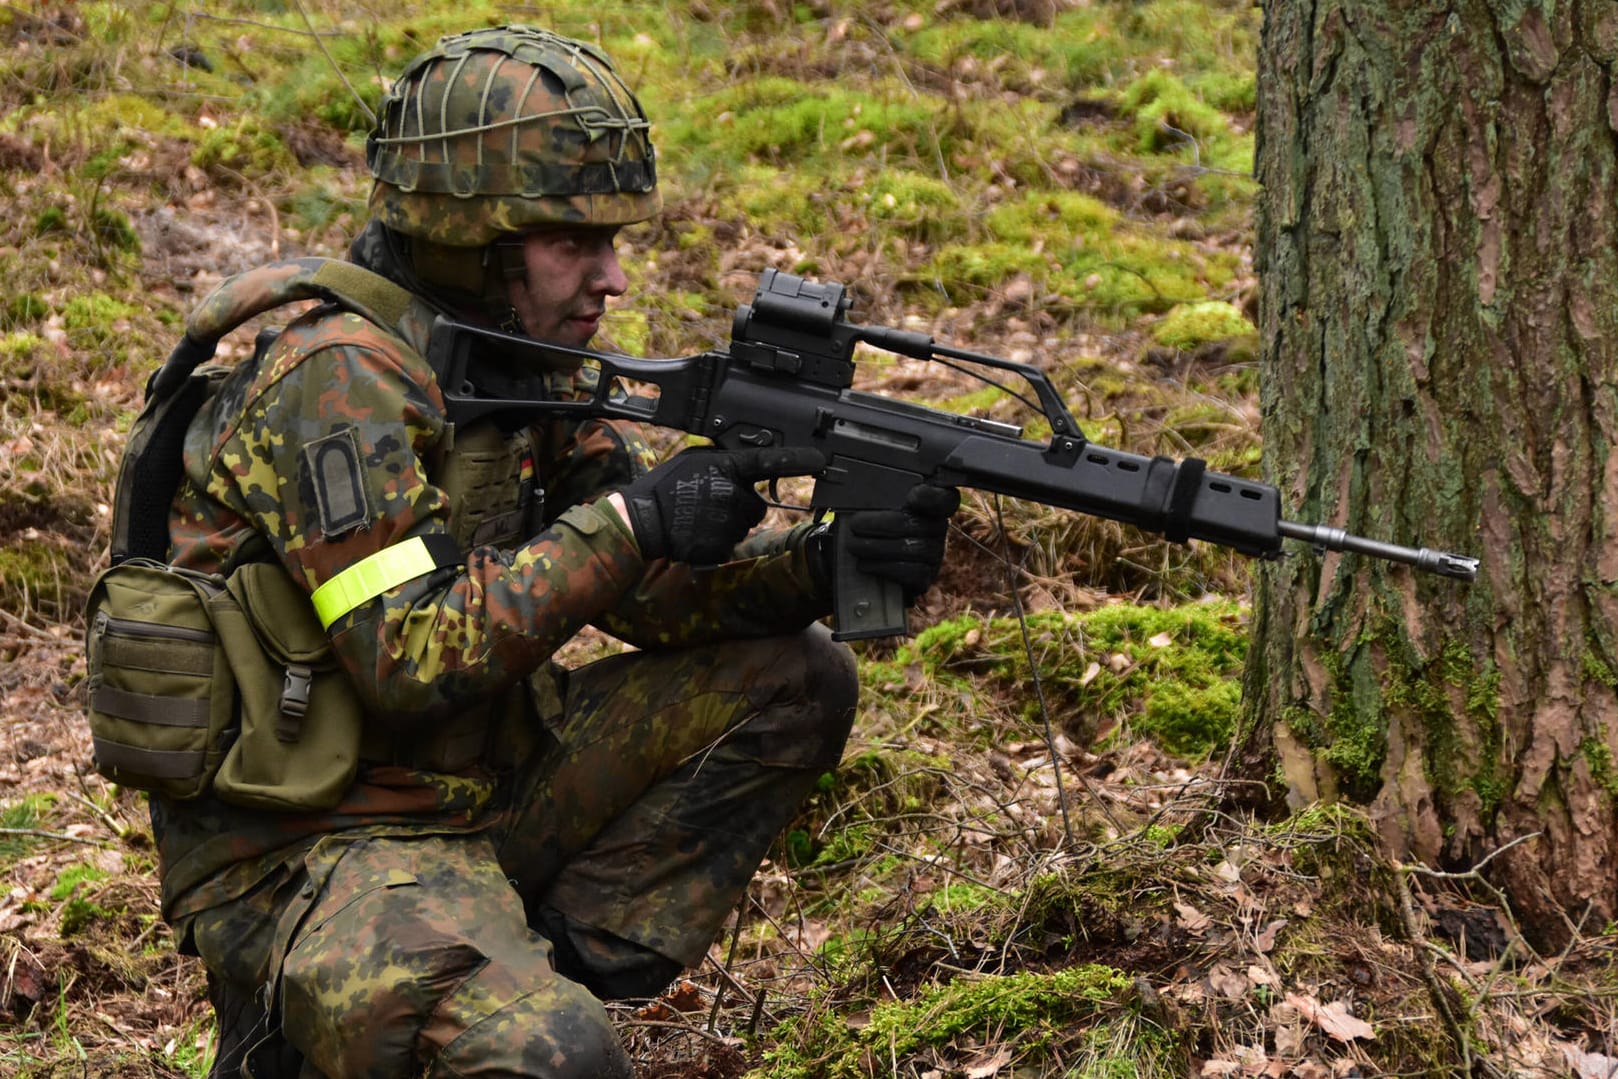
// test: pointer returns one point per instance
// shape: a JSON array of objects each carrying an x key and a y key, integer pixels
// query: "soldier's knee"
[
  {"x": 813, "y": 720},
  {"x": 559, "y": 1031},
  {"x": 349, "y": 1015},
  {"x": 833, "y": 670}
]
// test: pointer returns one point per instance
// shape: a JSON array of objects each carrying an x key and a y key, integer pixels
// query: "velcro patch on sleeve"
[{"x": 334, "y": 468}]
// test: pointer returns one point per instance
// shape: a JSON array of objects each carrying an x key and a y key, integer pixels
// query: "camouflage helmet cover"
[{"x": 510, "y": 128}]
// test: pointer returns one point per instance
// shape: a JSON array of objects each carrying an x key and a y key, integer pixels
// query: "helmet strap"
[{"x": 503, "y": 263}]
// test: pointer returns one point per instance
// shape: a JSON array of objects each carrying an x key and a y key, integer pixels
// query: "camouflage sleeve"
[
  {"x": 583, "y": 460},
  {"x": 327, "y": 464},
  {"x": 767, "y": 589}
]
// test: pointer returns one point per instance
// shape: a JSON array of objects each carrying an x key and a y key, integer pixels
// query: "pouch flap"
[
  {"x": 282, "y": 614},
  {"x": 145, "y": 591}
]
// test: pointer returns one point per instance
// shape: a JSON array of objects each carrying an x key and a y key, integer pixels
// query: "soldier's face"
[{"x": 571, "y": 273}]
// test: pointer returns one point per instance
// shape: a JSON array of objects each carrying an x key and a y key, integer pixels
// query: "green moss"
[
  {"x": 245, "y": 148},
  {"x": 1356, "y": 727},
  {"x": 94, "y": 312},
  {"x": 1083, "y": 256},
  {"x": 73, "y": 890},
  {"x": 1598, "y": 758},
  {"x": 1209, "y": 44},
  {"x": 132, "y": 113},
  {"x": 39, "y": 575},
  {"x": 25, "y": 308},
  {"x": 1595, "y": 669},
  {"x": 914, "y": 204},
  {"x": 1159, "y": 102},
  {"x": 17, "y": 350},
  {"x": 1191, "y": 324},
  {"x": 787, "y": 203},
  {"x": 98, "y": 321},
  {"x": 782, "y": 120},
  {"x": 1381, "y": 672},
  {"x": 1018, "y": 54},
  {"x": 1059, "y": 219},
  {"x": 1028, "y": 1009},
  {"x": 1191, "y": 721},
  {"x": 1171, "y": 674},
  {"x": 74, "y": 877},
  {"x": 1229, "y": 91},
  {"x": 977, "y": 403},
  {"x": 967, "y": 270},
  {"x": 1162, "y": 835},
  {"x": 112, "y": 229},
  {"x": 1100, "y": 45},
  {"x": 344, "y": 91}
]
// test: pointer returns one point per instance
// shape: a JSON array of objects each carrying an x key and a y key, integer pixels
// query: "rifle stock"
[{"x": 786, "y": 379}]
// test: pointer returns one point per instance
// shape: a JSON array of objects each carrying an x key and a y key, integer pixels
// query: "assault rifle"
[{"x": 785, "y": 381}]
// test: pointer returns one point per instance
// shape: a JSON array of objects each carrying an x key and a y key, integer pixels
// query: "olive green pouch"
[
  {"x": 161, "y": 695},
  {"x": 301, "y": 717}
]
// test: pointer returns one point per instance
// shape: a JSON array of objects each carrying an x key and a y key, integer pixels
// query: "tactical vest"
[{"x": 201, "y": 682}]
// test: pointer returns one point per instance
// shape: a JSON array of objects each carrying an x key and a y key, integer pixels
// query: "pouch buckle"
[{"x": 294, "y": 701}]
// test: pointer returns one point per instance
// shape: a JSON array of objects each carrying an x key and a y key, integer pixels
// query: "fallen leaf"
[
  {"x": 1192, "y": 919},
  {"x": 686, "y": 997},
  {"x": 1334, "y": 1019},
  {"x": 984, "y": 1066},
  {"x": 1289, "y": 1041},
  {"x": 1265, "y": 941},
  {"x": 1588, "y": 1065},
  {"x": 1227, "y": 983},
  {"x": 1220, "y": 1067},
  {"x": 1262, "y": 976}
]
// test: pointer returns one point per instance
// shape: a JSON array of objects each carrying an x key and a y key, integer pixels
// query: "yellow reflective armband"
[{"x": 376, "y": 574}]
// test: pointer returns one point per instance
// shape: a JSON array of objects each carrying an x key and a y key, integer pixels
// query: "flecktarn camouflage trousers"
[{"x": 611, "y": 863}]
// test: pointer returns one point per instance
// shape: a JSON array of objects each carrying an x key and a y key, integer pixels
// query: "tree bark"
[{"x": 1438, "y": 253}]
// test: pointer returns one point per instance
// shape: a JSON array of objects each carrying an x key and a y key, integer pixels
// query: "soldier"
[{"x": 517, "y": 841}]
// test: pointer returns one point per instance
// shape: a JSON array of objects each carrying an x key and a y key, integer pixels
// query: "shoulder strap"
[
  {"x": 153, "y": 460},
  {"x": 240, "y": 298}
]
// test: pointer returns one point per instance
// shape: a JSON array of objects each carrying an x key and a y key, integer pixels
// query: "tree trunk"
[{"x": 1438, "y": 251}]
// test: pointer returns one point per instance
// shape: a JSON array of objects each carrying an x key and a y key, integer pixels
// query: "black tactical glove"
[
  {"x": 905, "y": 545},
  {"x": 698, "y": 506}
]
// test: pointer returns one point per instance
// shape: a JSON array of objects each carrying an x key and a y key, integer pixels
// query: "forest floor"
[{"x": 1022, "y": 868}]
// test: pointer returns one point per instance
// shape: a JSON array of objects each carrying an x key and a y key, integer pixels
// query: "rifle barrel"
[{"x": 1443, "y": 563}]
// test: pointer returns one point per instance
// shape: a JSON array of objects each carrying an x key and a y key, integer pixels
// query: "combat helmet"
[{"x": 497, "y": 131}]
